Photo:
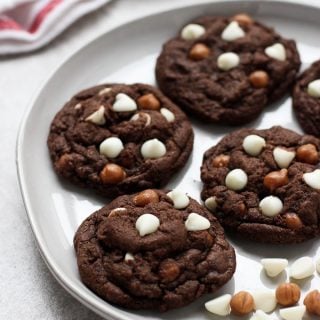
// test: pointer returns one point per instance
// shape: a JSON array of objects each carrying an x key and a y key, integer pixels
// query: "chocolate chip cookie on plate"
[
  {"x": 153, "y": 250},
  {"x": 118, "y": 139},
  {"x": 265, "y": 184}
]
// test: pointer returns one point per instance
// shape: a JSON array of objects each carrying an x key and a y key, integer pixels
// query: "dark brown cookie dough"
[
  {"x": 307, "y": 104},
  {"x": 187, "y": 71},
  {"x": 167, "y": 268},
  {"x": 129, "y": 164},
  {"x": 280, "y": 174}
]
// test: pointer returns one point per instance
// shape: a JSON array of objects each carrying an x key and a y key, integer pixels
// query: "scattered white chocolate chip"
[
  {"x": 147, "y": 223},
  {"x": 236, "y": 179},
  {"x": 318, "y": 265},
  {"x": 274, "y": 266},
  {"x": 196, "y": 222},
  {"x": 302, "y": 268},
  {"x": 128, "y": 257},
  {"x": 104, "y": 91},
  {"x": 276, "y": 51},
  {"x": 153, "y": 149},
  {"x": 283, "y": 157},
  {"x": 167, "y": 114},
  {"x": 271, "y": 206},
  {"x": 145, "y": 115},
  {"x": 111, "y": 147},
  {"x": 123, "y": 103},
  {"x": 253, "y": 144},
  {"x": 293, "y": 313},
  {"x": 211, "y": 203},
  {"x": 264, "y": 299},
  {"x": 97, "y": 117},
  {"x": 232, "y": 32},
  {"x": 260, "y": 315},
  {"x": 312, "y": 179},
  {"x": 179, "y": 198},
  {"x": 314, "y": 88},
  {"x": 228, "y": 60},
  {"x": 192, "y": 31},
  {"x": 78, "y": 106},
  {"x": 219, "y": 306}
]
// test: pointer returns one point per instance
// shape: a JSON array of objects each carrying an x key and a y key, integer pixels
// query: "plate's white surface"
[{"x": 127, "y": 54}]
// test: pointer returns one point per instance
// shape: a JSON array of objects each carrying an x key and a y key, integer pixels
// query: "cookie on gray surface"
[
  {"x": 306, "y": 99},
  {"x": 226, "y": 70},
  {"x": 118, "y": 139},
  {"x": 265, "y": 184},
  {"x": 153, "y": 250}
]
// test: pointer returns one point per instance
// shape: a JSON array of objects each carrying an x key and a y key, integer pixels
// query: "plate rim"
[{"x": 94, "y": 303}]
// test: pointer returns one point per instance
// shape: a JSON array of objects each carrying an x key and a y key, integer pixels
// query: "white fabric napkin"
[{"x": 26, "y": 25}]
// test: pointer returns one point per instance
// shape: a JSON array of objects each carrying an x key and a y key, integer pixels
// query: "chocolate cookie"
[
  {"x": 265, "y": 184},
  {"x": 306, "y": 99},
  {"x": 226, "y": 70},
  {"x": 153, "y": 250},
  {"x": 118, "y": 138}
]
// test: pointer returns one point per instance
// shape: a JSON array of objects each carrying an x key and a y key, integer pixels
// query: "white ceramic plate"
[{"x": 127, "y": 54}]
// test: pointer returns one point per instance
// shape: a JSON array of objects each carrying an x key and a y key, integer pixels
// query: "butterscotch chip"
[
  {"x": 149, "y": 101},
  {"x": 308, "y": 153},
  {"x": 243, "y": 19},
  {"x": 130, "y": 126},
  {"x": 112, "y": 174},
  {"x": 312, "y": 302},
  {"x": 242, "y": 303},
  {"x": 288, "y": 294},
  {"x": 145, "y": 197},
  {"x": 199, "y": 51},
  {"x": 293, "y": 221},
  {"x": 259, "y": 79},
  {"x": 147, "y": 258},
  {"x": 221, "y": 161}
]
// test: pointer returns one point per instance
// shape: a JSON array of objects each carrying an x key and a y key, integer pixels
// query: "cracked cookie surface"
[
  {"x": 265, "y": 184},
  {"x": 259, "y": 68},
  {"x": 118, "y": 139},
  {"x": 169, "y": 267}
]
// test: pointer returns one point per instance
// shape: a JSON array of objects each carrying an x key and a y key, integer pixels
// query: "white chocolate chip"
[
  {"x": 264, "y": 299},
  {"x": 179, "y": 198},
  {"x": 302, "y": 268},
  {"x": 128, "y": 257},
  {"x": 167, "y": 114},
  {"x": 153, "y": 149},
  {"x": 97, "y": 117},
  {"x": 318, "y": 265},
  {"x": 276, "y": 51},
  {"x": 292, "y": 313},
  {"x": 253, "y": 144},
  {"x": 147, "y": 223},
  {"x": 104, "y": 91},
  {"x": 136, "y": 116},
  {"x": 260, "y": 315},
  {"x": 219, "y": 306},
  {"x": 314, "y": 88},
  {"x": 116, "y": 211},
  {"x": 78, "y": 106},
  {"x": 211, "y": 204},
  {"x": 275, "y": 266},
  {"x": 312, "y": 179},
  {"x": 232, "y": 32},
  {"x": 236, "y": 179},
  {"x": 123, "y": 103},
  {"x": 192, "y": 31},
  {"x": 196, "y": 222},
  {"x": 283, "y": 157},
  {"x": 271, "y": 206},
  {"x": 111, "y": 147},
  {"x": 228, "y": 60}
]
